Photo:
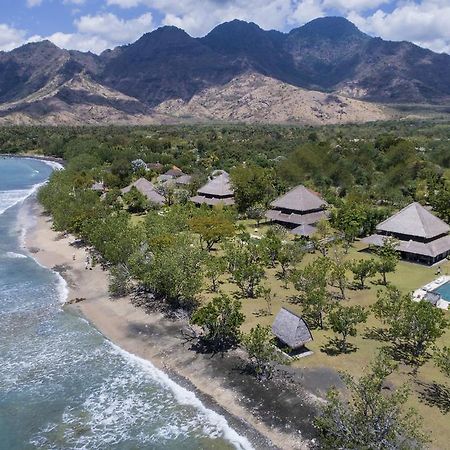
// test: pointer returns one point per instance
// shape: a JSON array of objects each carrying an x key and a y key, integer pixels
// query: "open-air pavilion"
[
  {"x": 299, "y": 210},
  {"x": 421, "y": 236}
]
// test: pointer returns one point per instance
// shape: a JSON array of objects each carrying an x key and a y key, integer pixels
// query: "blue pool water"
[
  {"x": 444, "y": 291},
  {"x": 62, "y": 385}
]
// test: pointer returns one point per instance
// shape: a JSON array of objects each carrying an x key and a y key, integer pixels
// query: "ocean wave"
[
  {"x": 185, "y": 397},
  {"x": 53, "y": 164},
  {"x": 8, "y": 199},
  {"x": 15, "y": 255}
]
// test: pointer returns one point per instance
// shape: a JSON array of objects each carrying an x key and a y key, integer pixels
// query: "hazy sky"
[{"x": 99, "y": 24}]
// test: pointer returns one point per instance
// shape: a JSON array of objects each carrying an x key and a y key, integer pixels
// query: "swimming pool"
[{"x": 444, "y": 291}]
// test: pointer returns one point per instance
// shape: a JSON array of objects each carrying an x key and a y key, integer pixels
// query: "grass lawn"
[{"x": 407, "y": 278}]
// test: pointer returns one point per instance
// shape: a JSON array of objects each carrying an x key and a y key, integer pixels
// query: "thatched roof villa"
[
  {"x": 291, "y": 329},
  {"x": 299, "y": 210},
  {"x": 217, "y": 190},
  {"x": 172, "y": 174},
  {"x": 147, "y": 189},
  {"x": 422, "y": 236}
]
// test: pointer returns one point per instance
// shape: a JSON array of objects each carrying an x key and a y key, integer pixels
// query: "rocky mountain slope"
[
  {"x": 237, "y": 72},
  {"x": 254, "y": 98}
]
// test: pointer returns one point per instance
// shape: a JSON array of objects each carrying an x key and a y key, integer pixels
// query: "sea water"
[{"x": 62, "y": 384}]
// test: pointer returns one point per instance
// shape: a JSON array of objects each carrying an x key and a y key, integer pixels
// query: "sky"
[{"x": 95, "y": 25}]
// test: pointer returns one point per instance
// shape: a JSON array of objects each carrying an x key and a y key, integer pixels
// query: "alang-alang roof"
[
  {"x": 291, "y": 329},
  {"x": 300, "y": 199},
  {"x": 414, "y": 220},
  {"x": 219, "y": 186}
]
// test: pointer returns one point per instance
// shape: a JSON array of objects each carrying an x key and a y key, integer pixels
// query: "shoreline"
[
  {"x": 44, "y": 158},
  {"x": 254, "y": 410}
]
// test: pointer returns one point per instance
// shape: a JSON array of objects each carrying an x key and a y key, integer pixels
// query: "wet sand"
[{"x": 270, "y": 414}]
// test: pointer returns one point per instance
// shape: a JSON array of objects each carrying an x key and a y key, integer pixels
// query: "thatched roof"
[
  {"x": 296, "y": 219},
  {"x": 219, "y": 186},
  {"x": 174, "y": 172},
  {"x": 291, "y": 329},
  {"x": 146, "y": 188},
  {"x": 414, "y": 220},
  {"x": 430, "y": 249},
  {"x": 184, "y": 180},
  {"x": 304, "y": 230},
  {"x": 300, "y": 199},
  {"x": 201, "y": 199},
  {"x": 98, "y": 186}
]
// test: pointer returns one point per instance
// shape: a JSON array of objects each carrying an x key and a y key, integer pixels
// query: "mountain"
[
  {"x": 255, "y": 98},
  {"x": 229, "y": 74}
]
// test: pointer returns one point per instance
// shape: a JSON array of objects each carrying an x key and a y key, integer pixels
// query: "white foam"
[
  {"x": 53, "y": 164},
  {"x": 15, "y": 255},
  {"x": 185, "y": 397}
]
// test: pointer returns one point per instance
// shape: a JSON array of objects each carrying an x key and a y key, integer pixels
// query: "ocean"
[{"x": 62, "y": 384}]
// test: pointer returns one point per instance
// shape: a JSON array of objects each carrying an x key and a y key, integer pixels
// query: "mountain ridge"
[{"x": 330, "y": 55}]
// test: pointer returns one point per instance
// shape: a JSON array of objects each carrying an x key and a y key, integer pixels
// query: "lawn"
[{"x": 407, "y": 278}]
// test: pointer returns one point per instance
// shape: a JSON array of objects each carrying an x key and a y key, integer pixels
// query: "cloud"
[
  {"x": 99, "y": 32},
  {"x": 32, "y": 3},
  {"x": 10, "y": 37},
  {"x": 114, "y": 30},
  {"x": 425, "y": 23}
]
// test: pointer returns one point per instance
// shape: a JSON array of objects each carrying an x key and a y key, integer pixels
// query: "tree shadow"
[
  {"x": 377, "y": 334},
  {"x": 334, "y": 348},
  {"x": 435, "y": 394},
  {"x": 262, "y": 313}
]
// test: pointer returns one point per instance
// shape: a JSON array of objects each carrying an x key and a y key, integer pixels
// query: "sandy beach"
[{"x": 269, "y": 414}]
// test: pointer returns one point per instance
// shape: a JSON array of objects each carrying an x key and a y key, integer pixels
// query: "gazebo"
[
  {"x": 291, "y": 329},
  {"x": 422, "y": 237},
  {"x": 216, "y": 191},
  {"x": 147, "y": 189},
  {"x": 299, "y": 210}
]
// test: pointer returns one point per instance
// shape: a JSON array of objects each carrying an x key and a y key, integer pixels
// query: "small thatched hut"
[
  {"x": 421, "y": 236},
  {"x": 291, "y": 329},
  {"x": 299, "y": 210},
  {"x": 216, "y": 191},
  {"x": 147, "y": 189}
]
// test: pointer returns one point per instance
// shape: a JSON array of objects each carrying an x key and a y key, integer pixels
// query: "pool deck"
[{"x": 419, "y": 294}]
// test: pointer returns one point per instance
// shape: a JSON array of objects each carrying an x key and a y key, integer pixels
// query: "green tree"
[
  {"x": 259, "y": 344},
  {"x": 173, "y": 272},
  {"x": 119, "y": 281},
  {"x": 323, "y": 236},
  {"x": 136, "y": 202},
  {"x": 442, "y": 360},
  {"x": 418, "y": 326},
  {"x": 311, "y": 282},
  {"x": 212, "y": 228},
  {"x": 256, "y": 212},
  {"x": 220, "y": 320},
  {"x": 252, "y": 184},
  {"x": 343, "y": 320},
  {"x": 363, "y": 269},
  {"x": 214, "y": 268},
  {"x": 272, "y": 242},
  {"x": 338, "y": 271},
  {"x": 246, "y": 263},
  {"x": 289, "y": 255},
  {"x": 389, "y": 258},
  {"x": 369, "y": 418},
  {"x": 389, "y": 304},
  {"x": 349, "y": 220}
]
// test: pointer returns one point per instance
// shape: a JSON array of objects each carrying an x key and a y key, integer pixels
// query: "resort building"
[
  {"x": 147, "y": 189},
  {"x": 217, "y": 190},
  {"x": 98, "y": 186},
  {"x": 421, "y": 236},
  {"x": 291, "y": 330},
  {"x": 171, "y": 174},
  {"x": 299, "y": 210}
]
